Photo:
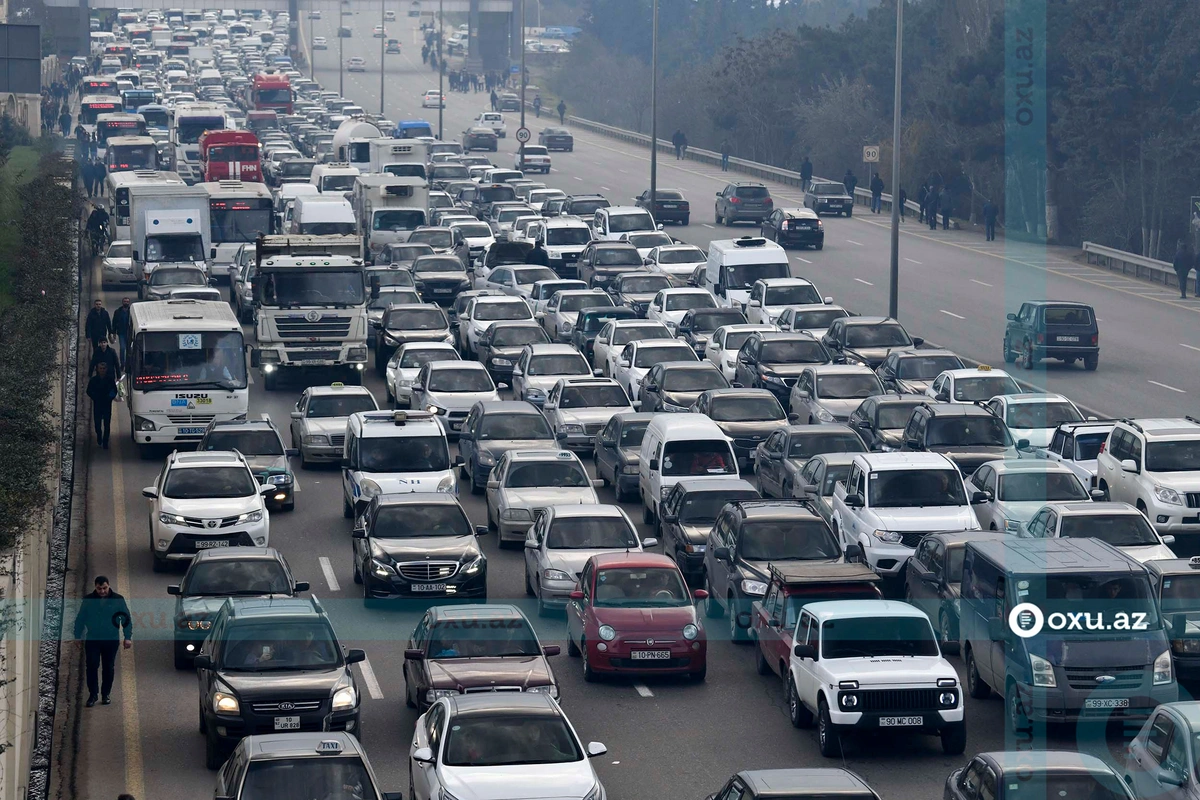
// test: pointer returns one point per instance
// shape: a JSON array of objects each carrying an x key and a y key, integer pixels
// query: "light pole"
[
  {"x": 441, "y": 69},
  {"x": 894, "y": 276},
  {"x": 524, "y": 81},
  {"x": 341, "y": 61},
  {"x": 382, "y": 52},
  {"x": 653, "y": 107},
  {"x": 312, "y": 53}
]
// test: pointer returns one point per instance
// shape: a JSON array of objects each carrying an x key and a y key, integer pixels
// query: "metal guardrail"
[{"x": 1148, "y": 269}]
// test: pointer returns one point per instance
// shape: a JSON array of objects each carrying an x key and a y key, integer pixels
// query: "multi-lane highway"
[{"x": 669, "y": 740}]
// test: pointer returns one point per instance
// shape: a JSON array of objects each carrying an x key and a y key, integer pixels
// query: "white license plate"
[
  {"x": 1107, "y": 702},
  {"x": 650, "y": 655},
  {"x": 287, "y": 723},
  {"x": 669, "y": 205},
  {"x": 441, "y": 291},
  {"x": 429, "y": 587},
  {"x": 208, "y": 544},
  {"x": 191, "y": 431},
  {"x": 1068, "y": 338},
  {"x": 312, "y": 362},
  {"x": 900, "y": 722},
  {"x": 456, "y": 426}
]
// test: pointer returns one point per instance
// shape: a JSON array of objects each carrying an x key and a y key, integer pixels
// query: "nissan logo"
[
  {"x": 287, "y": 706},
  {"x": 1105, "y": 679}
]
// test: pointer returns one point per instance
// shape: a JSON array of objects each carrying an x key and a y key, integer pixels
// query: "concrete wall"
[{"x": 24, "y": 108}]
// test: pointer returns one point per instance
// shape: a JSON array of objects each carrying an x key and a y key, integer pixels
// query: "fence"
[{"x": 1148, "y": 269}]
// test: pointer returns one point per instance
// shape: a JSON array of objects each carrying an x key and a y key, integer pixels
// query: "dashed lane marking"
[
  {"x": 1181, "y": 344},
  {"x": 705, "y": 224},
  {"x": 1166, "y": 386},
  {"x": 605, "y": 189},
  {"x": 643, "y": 690},
  {"x": 981, "y": 283},
  {"x": 368, "y": 675},
  {"x": 950, "y": 314},
  {"x": 911, "y": 260},
  {"x": 860, "y": 280},
  {"x": 805, "y": 260},
  {"x": 330, "y": 577},
  {"x": 851, "y": 241}
]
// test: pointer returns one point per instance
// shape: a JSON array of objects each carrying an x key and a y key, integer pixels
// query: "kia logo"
[{"x": 287, "y": 706}]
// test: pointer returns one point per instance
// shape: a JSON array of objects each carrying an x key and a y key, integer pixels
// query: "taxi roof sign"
[
  {"x": 1194, "y": 562},
  {"x": 329, "y": 746},
  {"x": 337, "y": 385},
  {"x": 984, "y": 368}
]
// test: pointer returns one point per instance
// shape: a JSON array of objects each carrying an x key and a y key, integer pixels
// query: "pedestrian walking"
[
  {"x": 876, "y": 193},
  {"x": 64, "y": 122},
  {"x": 537, "y": 106},
  {"x": 101, "y": 172},
  {"x": 725, "y": 148},
  {"x": 98, "y": 325},
  {"x": 946, "y": 203},
  {"x": 805, "y": 174},
  {"x": 495, "y": 99},
  {"x": 903, "y": 197},
  {"x": 562, "y": 112},
  {"x": 850, "y": 182},
  {"x": 102, "y": 389},
  {"x": 931, "y": 209},
  {"x": 121, "y": 322},
  {"x": 102, "y": 625},
  {"x": 922, "y": 196},
  {"x": 105, "y": 354},
  {"x": 94, "y": 145},
  {"x": 678, "y": 141},
  {"x": 1183, "y": 263},
  {"x": 990, "y": 213}
]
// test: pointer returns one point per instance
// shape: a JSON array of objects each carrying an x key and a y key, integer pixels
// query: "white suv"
[
  {"x": 872, "y": 665},
  {"x": 395, "y": 452},
  {"x": 1154, "y": 465},
  {"x": 204, "y": 500}
]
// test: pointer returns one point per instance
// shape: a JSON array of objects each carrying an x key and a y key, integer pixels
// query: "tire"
[
  {"x": 288, "y": 506},
  {"x": 829, "y": 739},
  {"x": 159, "y": 564},
  {"x": 347, "y": 509},
  {"x": 949, "y": 645},
  {"x": 712, "y": 609},
  {"x": 850, "y": 213},
  {"x": 798, "y": 713},
  {"x": 760, "y": 661},
  {"x": 717, "y": 215},
  {"x": 270, "y": 379},
  {"x": 700, "y": 675},
  {"x": 820, "y": 246},
  {"x": 647, "y": 514},
  {"x": 182, "y": 661},
  {"x": 409, "y": 703},
  {"x": 213, "y": 757},
  {"x": 1091, "y": 362},
  {"x": 1009, "y": 355},
  {"x": 1104, "y": 488},
  {"x": 528, "y": 585},
  {"x": 686, "y": 219},
  {"x": 491, "y": 525},
  {"x": 588, "y": 675},
  {"x": 476, "y": 489},
  {"x": 358, "y": 579},
  {"x": 1027, "y": 357},
  {"x": 976, "y": 687},
  {"x": 1018, "y": 721},
  {"x": 572, "y": 649},
  {"x": 954, "y": 739},
  {"x": 736, "y": 634}
]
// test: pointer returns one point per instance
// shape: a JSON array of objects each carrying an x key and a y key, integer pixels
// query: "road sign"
[
  {"x": 523, "y": 135},
  {"x": 871, "y": 154}
]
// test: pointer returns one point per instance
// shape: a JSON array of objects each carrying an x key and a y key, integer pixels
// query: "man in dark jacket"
[
  {"x": 104, "y": 615},
  {"x": 850, "y": 182},
  {"x": 902, "y": 196},
  {"x": 678, "y": 141},
  {"x": 64, "y": 122},
  {"x": 946, "y": 203},
  {"x": 538, "y": 255},
  {"x": 1183, "y": 262},
  {"x": 120, "y": 325},
  {"x": 562, "y": 112},
  {"x": 931, "y": 208},
  {"x": 105, "y": 354},
  {"x": 990, "y": 214},
  {"x": 876, "y": 193},
  {"x": 102, "y": 389},
  {"x": 98, "y": 324},
  {"x": 922, "y": 196},
  {"x": 805, "y": 174}
]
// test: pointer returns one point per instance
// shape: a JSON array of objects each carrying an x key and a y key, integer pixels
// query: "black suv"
[
  {"x": 867, "y": 340},
  {"x": 439, "y": 278},
  {"x": 913, "y": 370},
  {"x": 740, "y": 202},
  {"x": 502, "y": 343},
  {"x": 591, "y": 320},
  {"x": 601, "y": 262},
  {"x": 259, "y": 441},
  {"x": 583, "y": 206},
  {"x": 746, "y": 416},
  {"x": 618, "y": 452},
  {"x": 967, "y": 434},
  {"x": 881, "y": 420},
  {"x": 1066, "y": 331},
  {"x": 271, "y": 665},
  {"x": 775, "y": 360},
  {"x": 689, "y": 512}
]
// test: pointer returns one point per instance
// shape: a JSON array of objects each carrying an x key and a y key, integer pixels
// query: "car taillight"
[
  {"x": 1041, "y": 338},
  {"x": 1103, "y": 445},
  {"x": 768, "y": 202},
  {"x": 735, "y": 199},
  {"x": 1095, "y": 339}
]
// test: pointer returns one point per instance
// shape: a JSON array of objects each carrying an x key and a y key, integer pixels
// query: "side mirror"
[
  {"x": 623, "y": 363},
  {"x": 297, "y": 415},
  {"x": 979, "y": 498},
  {"x": 481, "y": 530},
  {"x": 1097, "y": 495},
  {"x": 355, "y": 656},
  {"x": 345, "y": 463},
  {"x": 805, "y": 651},
  {"x": 423, "y": 755},
  {"x": 150, "y": 492},
  {"x": 360, "y": 505},
  {"x": 854, "y": 500},
  {"x": 458, "y": 461},
  {"x": 802, "y": 394},
  {"x": 699, "y": 594},
  {"x": 596, "y": 749},
  {"x": 358, "y": 533},
  {"x": 1023, "y": 444},
  {"x": 597, "y": 483},
  {"x": 865, "y": 424},
  {"x": 292, "y": 452},
  {"x": 755, "y": 304},
  {"x": 996, "y": 629},
  {"x": 517, "y": 373},
  {"x": 597, "y": 373},
  {"x": 212, "y": 253},
  {"x": 649, "y": 541},
  {"x": 653, "y": 464},
  {"x": 918, "y": 341},
  {"x": 805, "y": 489},
  {"x": 393, "y": 795},
  {"x": 301, "y": 586},
  {"x": 414, "y": 655},
  {"x": 793, "y": 417},
  {"x": 1169, "y": 778},
  {"x": 531, "y": 544},
  {"x": 666, "y": 516},
  {"x": 1010, "y": 317},
  {"x": 576, "y": 595},
  {"x": 136, "y": 257},
  {"x": 1129, "y": 465},
  {"x": 173, "y": 589},
  {"x": 551, "y": 650},
  {"x": 854, "y": 552},
  {"x": 493, "y": 484},
  {"x": 202, "y": 662},
  {"x": 721, "y": 554},
  {"x": 1168, "y": 539}
]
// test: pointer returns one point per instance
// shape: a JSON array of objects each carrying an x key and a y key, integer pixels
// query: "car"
[
  {"x": 532, "y": 158},
  {"x": 1077, "y": 445},
  {"x": 670, "y": 305},
  {"x": 556, "y": 138},
  {"x": 698, "y": 325},
  {"x": 640, "y": 355},
  {"x": 1052, "y": 329},
  {"x": 319, "y": 420},
  {"x": 725, "y": 343},
  {"x": 406, "y": 362},
  {"x": 459, "y": 650},
  {"x": 688, "y": 514},
  {"x": 675, "y": 386},
  {"x": 315, "y": 758},
  {"x": 601, "y": 262},
  {"x": 345, "y": 33},
  {"x": 1057, "y": 773},
  {"x": 775, "y": 360},
  {"x": 259, "y": 442},
  {"x": 746, "y": 416},
  {"x": 416, "y": 544},
  {"x": 378, "y": 31},
  {"x": 795, "y": 784},
  {"x": 393, "y": 452},
  {"x": 539, "y": 368},
  {"x": 356, "y": 64},
  {"x": 118, "y": 262},
  {"x": 1034, "y": 416},
  {"x": 518, "y": 281},
  {"x": 509, "y": 102},
  {"x": 484, "y": 310},
  {"x": 635, "y": 290},
  {"x": 202, "y": 500},
  {"x": 502, "y": 343},
  {"x": 1119, "y": 524},
  {"x": 1016, "y": 490},
  {"x": 471, "y": 239},
  {"x": 968, "y": 435},
  {"x": 933, "y": 580},
  {"x": 666, "y": 637},
  {"x": 614, "y": 223},
  {"x": 770, "y": 297},
  {"x": 527, "y": 744},
  {"x": 409, "y": 323},
  {"x": 1174, "y": 586},
  {"x": 562, "y": 310},
  {"x": 645, "y": 241},
  {"x": 831, "y": 392},
  {"x": 867, "y": 340},
  {"x": 743, "y": 201},
  {"x": 393, "y": 48},
  {"x": 593, "y": 319},
  {"x": 440, "y": 238},
  {"x": 493, "y": 428},
  {"x": 818, "y": 477},
  {"x": 780, "y": 459},
  {"x": 912, "y": 371},
  {"x": 433, "y": 99},
  {"x": 503, "y": 251},
  {"x": 676, "y": 261},
  {"x": 293, "y": 639},
  {"x": 561, "y": 541},
  {"x": 493, "y": 120},
  {"x": 1154, "y": 464},
  {"x": 794, "y": 227},
  {"x": 319, "y": 42},
  {"x": 971, "y": 385},
  {"x": 162, "y": 283},
  {"x": 478, "y": 137},
  {"x": 579, "y": 408},
  {"x": 612, "y": 338},
  {"x": 216, "y": 574},
  {"x": 449, "y": 389},
  {"x": 617, "y": 453},
  {"x": 828, "y": 197},
  {"x": 525, "y": 482},
  {"x": 670, "y": 205},
  {"x": 538, "y": 196},
  {"x": 881, "y": 420},
  {"x": 439, "y": 278}
]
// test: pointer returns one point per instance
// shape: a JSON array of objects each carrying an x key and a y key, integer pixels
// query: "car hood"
[
  {"x": 1149, "y": 552},
  {"x": 786, "y": 370},
  {"x": 1021, "y": 512},
  {"x": 511, "y": 353},
  {"x": 1038, "y": 437},
  {"x": 912, "y": 386},
  {"x": 294, "y": 685},
  {"x": 520, "y": 782},
  {"x": 897, "y": 670},
  {"x": 523, "y": 671},
  {"x": 212, "y": 507},
  {"x": 405, "y": 336},
  {"x": 326, "y": 425},
  {"x": 892, "y": 437},
  {"x": 649, "y": 620},
  {"x": 260, "y": 464},
  {"x": 544, "y": 382},
  {"x": 593, "y": 415},
  {"x": 500, "y": 447},
  {"x": 549, "y": 496},
  {"x": 426, "y": 548},
  {"x": 874, "y": 356},
  {"x": 751, "y": 430},
  {"x": 201, "y": 607},
  {"x": 572, "y": 561},
  {"x": 684, "y": 399},
  {"x": 970, "y": 459},
  {"x": 631, "y": 455},
  {"x": 638, "y": 297},
  {"x": 696, "y": 534},
  {"x": 1180, "y": 481},
  {"x": 927, "y": 519},
  {"x": 1095, "y": 650},
  {"x": 841, "y": 409},
  {"x": 459, "y": 401}
]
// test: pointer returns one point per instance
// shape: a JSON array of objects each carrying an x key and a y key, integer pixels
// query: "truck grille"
[
  {"x": 911, "y": 539},
  {"x": 899, "y": 700},
  {"x": 293, "y": 707},
  {"x": 190, "y": 419},
  {"x": 428, "y": 570},
  {"x": 1085, "y": 677},
  {"x": 313, "y": 355},
  {"x": 330, "y": 326}
]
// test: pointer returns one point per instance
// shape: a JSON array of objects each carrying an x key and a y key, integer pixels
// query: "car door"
[
  {"x": 600, "y": 348},
  {"x": 917, "y": 589},
  {"x": 651, "y": 388},
  {"x": 985, "y": 512},
  {"x": 940, "y": 388},
  {"x": 770, "y": 226},
  {"x": 808, "y": 633},
  {"x": 297, "y": 427},
  {"x": 550, "y": 314},
  {"x": 888, "y": 371},
  {"x": 518, "y": 376},
  {"x": 424, "y": 774},
  {"x": 416, "y": 671},
  {"x": 418, "y": 387},
  {"x": 855, "y": 484},
  {"x": 833, "y": 338},
  {"x": 499, "y": 280},
  {"x": 604, "y": 454},
  {"x": 756, "y": 314},
  {"x": 715, "y": 570},
  {"x": 716, "y": 344},
  {"x": 534, "y": 543},
  {"x": 654, "y": 310},
  {"x": 770, "y": 468},
  {"x": 577, "y": 611},
  {"x": 624, "y": 369},
  {"x": 744, "y": 373},
  {"x": 498, "y": 474},
  {"x": 1160, "y": 747},
  {"x": 802, "y": 401}
]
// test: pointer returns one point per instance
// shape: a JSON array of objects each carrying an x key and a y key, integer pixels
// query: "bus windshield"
[
  {"x": 89, "y": 111},
  {"x": 233, "y": 152},
  {"x": 125, "y": 157},
  {"x": 240, "y": 220},
  {"x": 120, "y": 127},
  {"x": 176, "y": 360}
]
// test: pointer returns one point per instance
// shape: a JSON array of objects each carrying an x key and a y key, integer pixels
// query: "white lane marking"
[
  {"x": 623, "y": 171},
  {"x": 643, "y": 690},
  {"x": 860, "y": 280},
  {"x": 981, "y": 283},
  {"x": 851, "y": 241},
  {"x": 368, "y": 675},
  {"x": 911, "y": 260},
  {"x": 295, "y": 484},
  {"x": 1181, "y": 344},
  {"x": 950, "y": 313},
  {"x": 330, "y": 578},
  {"x": 805, "y": 260},
  {"x": 576, "y": 177},
  {"x": 705, "y": 224},
  {"x": 605, "y": 189},
  {"x": 1165, "y": 386}
]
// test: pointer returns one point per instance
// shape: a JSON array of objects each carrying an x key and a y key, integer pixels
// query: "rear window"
[
  {"x": 1068, "y": 315},
  {"x": 753, "y": 192}
]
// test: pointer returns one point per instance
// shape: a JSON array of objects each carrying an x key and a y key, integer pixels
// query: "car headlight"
[
  {"x": 199, "y": 624},
  {"x": 535, "y": 392},
  {"x": 755, "y": 588},
  {"x": 551, "y": 690},
  {"x": 1162, "y": 668},
  {"x": 671, "y": 408},
  {"x": 1043, "y": 671},
  {"x": 485, "y": 458},
  {"x": 516, "y": 515},
  {"x": 690, "y": 632},
  {"x": 436, "y": 409},
  {"x": 630, "y": 469},
  {"x": 345, "y": 698},
  {"x": 476, "y": 564},
  {"x": 250, "y": 516},
  {"x": 171, "y": 519},
  {"x": 316, "y": 438},
  {"x": 448, "y": 485},
  {"x": 279, "y": 479},
  {"x": 391, "y": 340},
  {"x": 596, "y": 793},
  {"x": 225, "y": 703},
  {"x": 559, "y": 575},
  {"x": 357, "y": 354},
  {"x": 891, "y": 537},
  {"x": 436, "y": 694},
  {"x": 502, "y": 362},
  {"x": 381, "y": 568},
  {"x": 1012, "y": 525},
  {"x": 823, "y": 415},
  {"x": 1165, "y": 494},
  {"x": 607, "y": 633},
  {"x": 948, "y": 698},
  {"x": 773, "y": 379},
  {"x": 143, "y": 424},
  {"x": 369, "y": 488},
  {"x": 448, "y": 338},
  {"x": 569, "y": 427}
]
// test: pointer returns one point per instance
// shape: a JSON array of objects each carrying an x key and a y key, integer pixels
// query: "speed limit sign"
[
  {"x": 523, "y": 135},
  {"x": 871, "y": 153}
]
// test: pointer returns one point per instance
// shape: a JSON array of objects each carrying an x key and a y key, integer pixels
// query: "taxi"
[
  {"x": 318, "y": 764},
  {"x": 971, "y": 385}
]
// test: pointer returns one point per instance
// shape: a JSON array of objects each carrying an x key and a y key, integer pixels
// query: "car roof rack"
[
  {"x": 842, "y": 572},
  {"x": 1133, "y": 424}
]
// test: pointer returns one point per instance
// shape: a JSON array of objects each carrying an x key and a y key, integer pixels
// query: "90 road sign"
[
  {"x": 523, "y": 135},
  {"x": 871, "y": 154}
]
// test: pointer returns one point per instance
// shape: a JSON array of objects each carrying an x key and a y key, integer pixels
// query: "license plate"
[
  {"x": 287, "y": 723},
  {"x": 312, "y": 362},
  {"x": 1068, "y": 338},
  {"x": 669, "y": 205},
  {"x": 456, "y": 426},
  {"x": 650, "y": 655},
  {"x": 191, "y": 431},
  {"x": 901, "y": 722},
  {"x": 441, "y": 291},
  {"x": 429, "y": 587},
  {"x": 1107, "y": 702},
  {"x": 208, "y": 544}
]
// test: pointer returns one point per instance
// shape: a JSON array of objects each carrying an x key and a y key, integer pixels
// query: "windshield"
[
  {"x": 511, "y": 427},
  {"x": 644, "y": 285},
  {"x": 184, "y": 247},
  {"x": 872, "y": 637},
  {"x": 496, "y": 740},
  {"x": 241, "y": 152},
  {"x": 239, "y": 220},
  {"x": 398, "y": 219},
  {"x": 792, "y": 296},
  {"x": 177, "y": 277},
  {"x": 418, "y": 520},
  {"x": 618, "y": 257},
  {"x": 165, "y": 360},
  {"x": 1067, "y": 315},
  {"x": 701, "y": 508},
  {"x": 1119, "y": 530},
  {"x": 743, "y": 276},
  {"x": 432, "y": 238},
  {"x": 575, "y": 302},
  {"x": 332, "y": 405},
  {"x": 196, "y": 483},
  {"x": 593, "y": 397},
  {"x": 413, "y": 359},
  {"x": 510, "y": 214},
  {"x": 1180, "y": 593},
  {"x": 925, "y": 368},
  {"x": 327, "y": 228},
  {"x": 834, "y": 474},
  {"x": 582, "y": 208},
  {"x": 254, "y": 576},
  {"x": 628, "y": 333},
  {"x": 689, "y": 300},
  {"x": 709, "y": 321},
  {"x": 1179, "y": 456},
  {"x": 793, "y": 351},
  {"x": 518, "y": 335},
  {"x": 189, "y": 129},
  {"x": 562, "y": 474},
  {"x": 482, "y": 638},
  {"x": 449, "y": 172},
  {"x": 281, "y": 645},
  {"x": 248, "y": 443},
  {"x": 1114, "y": 596},
  {"x": 693, "y": 380},
  {"x": 437, "y": 264},
  {"x": 565, "y": 364},
  {"x": 848, "y": 387},
  {"x": 499, "y": 311},
  {"x": 567, "y": 236},
  {"x": 660, "y": 587},
  {"x": 970, "y": 390},
  {"x": 417, "y": 319},
  {"x": 593, "y": 321},
  {"x": 296, "y": 168},
  {"x": 460, "y": 380},
  {"x": 403, "y": 454},
  {"x": 495, "y": 194},
  {"x": 1041, "y": 487},
  {"x": 807, "y": 445},
  {"x": 400, "y": 253},
  {"x": 632, "y": 434},
  {"x": 320, "y": 776},
  {"x": 143, "y": 156},
  {"x": 528, "y": 277},
  {"x": 917, "y": 488},
  {"x": 814, "y": 320},
  {"x": 321, "y": 288},
  {"x": 120, "y": 250},
  {"x": 405, "y": 170},
  {"x": 687, "y": 255},
  {"x": 644, "y": 241},
  {"x": 591, "y": 533},
  {"x": 974, "y": 431},
  {"x": 1087, "y": 445},
  {"x": 787, "y": 540},
  {"x": 745, "y": 409},
  {"x": 876, "y": 336},
  {"x": 337, "y": 183},
  {"x": 1042, "y": 415},
  {"x": 649, "y": 356},
  {"x": 698, "y": 458}
]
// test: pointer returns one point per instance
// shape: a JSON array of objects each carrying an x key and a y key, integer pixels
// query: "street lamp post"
[
  {"x": 653, "y": 107},
  {"x": 341, "y": 61},
  {"x": 441, "y": 69},
  {"x": 382, "y": 53},
  {"x": 894, "y": 276},
  {"x": 524, "y": 81},
  {"x": 312, "y": 53}
]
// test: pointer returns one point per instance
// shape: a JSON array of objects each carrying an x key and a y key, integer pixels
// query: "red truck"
[
  {"x": 231, "y": 155},
  {"x": 271, "y": 91}
]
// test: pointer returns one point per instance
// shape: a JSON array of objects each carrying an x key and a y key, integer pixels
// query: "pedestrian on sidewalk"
[
  {"x": 725, "y": 148},
  {"x": 537, "y": 106},
  {"x": 1183, "y": 263},
  {"x": 850, "y": 182},
  {"x": 903, "y": 197},
  {"x": 678, "y": 141},
  {"x": 876, "y": 193},
  {"x": 101, "y": 172},
  {"x": 931, "y": 208},
  {"x": 98, "y": 325},
  {"x": 494, "y": 99},
  {"x": 922, "y": 196},
  {"x": 562, "y": 112},
  {"x": 121, "y": 322},
  {"x": 805, "y": 174},
  {"x": 64, "y": 122},
  {"x": 102, "y": 389},
  {"x": 990, "y": 214},
  {"x": 946, "y": 203},
  {"x": 105, "y": 354},
  {"x": 101, "y": 625}
]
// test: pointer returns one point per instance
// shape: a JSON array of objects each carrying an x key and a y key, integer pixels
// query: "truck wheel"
[{"x": 269, "y": 379}]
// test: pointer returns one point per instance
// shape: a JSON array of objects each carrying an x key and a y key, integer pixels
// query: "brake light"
[
  {"x": 735, "y": 199},
  {"x": 768, "y": 202},
  {"x": 1103, "y": 445},
  {"x": 1095, "y": 339},
  {"x": 1041, "y": 338}
]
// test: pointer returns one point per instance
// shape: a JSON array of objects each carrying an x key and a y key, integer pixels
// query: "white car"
[
  {"x": 406, "y": 362},
  {"x": 320, "y": 42},
  {"x": 1035, "y": 415},
  {"x": 1016, "y": 490},
  {"x": 378, "y": 32},
  {"x": 1077, "y": 446},
  {"x": 771, "y": 296},
  {"x": 639, "y": 356},
  {"x": 669, "y": 305},
  {"x": 542, "y": 291},
  {"x": 356, "y": 64},
  {"x": 535, "y": 159},
  {"x": 202, "y": 500},
  {"x": 511, "y": 745},
  {"x": 517, "y": 281},
  {"x": 538, "y": 197},
  {"x": 676, "y": 261},
  {"x": 971, "y": 385},
  {"x": 493, "y": 120},
  {"x": 647, "y": 241},
  {"x": 391, "y": 452},
  {"x": 450, "y": 388},
  {"x": 727, "y": 340},
  {"x": 613, "y": 222},
  {"x": 481, "y": 312},
  {"x": 433, "y": 99},
  {"x": 539, "y": 368},
  {"x": 524, "y": 482},
  {"x": 619, "y": 332},
  {"x": 1119, "y": 524},
  {"x": 561, "y": 311},
  {"x": 813, "y": 319},
  {"x": 579, "y": 408},
  {"x": 118, "y": 262}
]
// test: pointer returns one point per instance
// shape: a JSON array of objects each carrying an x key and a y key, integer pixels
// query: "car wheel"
[
  {"x": 736, "y": 634},
  {"x": 159, "y": 564},
  {"x": 347, "y": 509},
  {"x": 647, "y": 514},
  {"x": 572, "y": 648},
  {"x": 1018, "y": 721},
  {"x": 976, "y": 687},
  {"x": 528, "y": 585},
  {"x": 588, "y": 675},
  {"x": 408, "y": 701},
  {"x": 358, "y": 579},
  {"x": 798, "y": 713},
  {"x": 476, "y": 488},
  {"x": 712, "y": 608},
  {"x": 686, "y": 218},
  {"x": 288, "y": 506},
  {"x": 269, "y": 381},
  {"x": 1009, "y": 355},
  {"x": 1104, "y": 488},
  {"x": 717, "y": 215},
  {"x": 820, "y": 246},
  {"x": 954, "y": 739},
  {"x": 183, "y": 662},
  {"x": 1027, "y": 358},
  {"x": 1092, "y": 361},
  {"x": 213, "y": 757},
  {"x": 947, "y": 633},
  {"x": 829, "y": 740}
]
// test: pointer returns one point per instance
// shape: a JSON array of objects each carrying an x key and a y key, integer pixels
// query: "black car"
[
  {"x": 417, "y": 545},
  {"x": 775, "y": 360},
  {"x": 675, "y": 386},
  {"x": 218, "y": 573},
  {"x": 480, "y": 139},
  {"x": 502, "y": 343},
  {"x": 881, "y": 420},
  {"x": 556, "y": 138},
  {"x": 270, "y": 665},
  {"x": 779, "y": 459},
  {"x": 601, "y": 263},
  {"x": 669, "y": 205},
  {"x": 698, "y": 324},
  {"x": 689, "y": 512},
  {"x": 439, "y": 279},
  {"x": 741, "y": 202},
  {"x": 829, "y": 197},
  {"x": 1055, "y": 773},
  {"x": 479, "y": 200},
  {"x": 933, "y": 579},
  {"x": 1045, "y": 329},
  {"x": 867, "y": 340},
  {"x": 965, "y": 433},
  {"x": 746, "y": 416},
  {"x": 495, "y": 427},
  {"x": 617, "y": 453},
  {"x": 911, "y": 371},
  {"x": 794, "y": 227},
  {"x": 584, "y": 205},
  {"x": 259, "y": 441},
  {"x": 509, "y": 102},
  {"x": 635, "y": 290},
  {"x": 402, "y": 324},
  {"x": 795, "y": 784},
  {"x": 589, "y": 322}
]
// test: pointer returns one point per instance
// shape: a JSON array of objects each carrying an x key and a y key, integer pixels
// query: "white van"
[
  {"x": 679, "y": 446},
  {"x": 323, "y": 215},
  {"x": 734, "y": 265},
  {"x": 336, "y": 179},
  {"x": 285, "y": 199}
]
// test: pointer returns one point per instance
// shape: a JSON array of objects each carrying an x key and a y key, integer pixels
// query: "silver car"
[
  {"x": 831, "y": 392},
  {"x": 540, "y": 366},
  {"x": 579, "y": 408},
  {"x": 562, "y": 310},
  {"x": 525, "y": 482},
  {"x": 1017, "y": 489},
  {"x": 406, "y": 362},
  {"x": 118, "y": 263},
  {"x": 318, "y": 428}
]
